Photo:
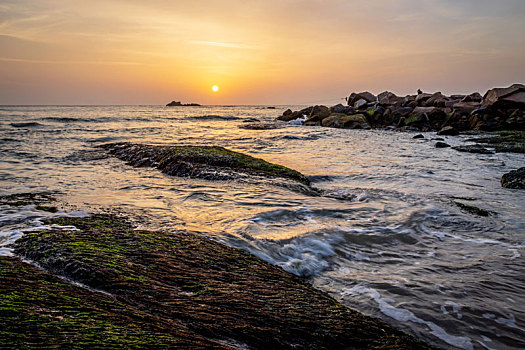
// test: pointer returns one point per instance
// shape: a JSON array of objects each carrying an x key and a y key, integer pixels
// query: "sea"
[{"x": 387, "y": 231}]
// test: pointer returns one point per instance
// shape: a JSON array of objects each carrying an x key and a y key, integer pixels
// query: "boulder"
[
  {"x": 422, "y": 98},
  {"x": 339, "y": 108},
  {"x": 318, "y": 113},
  {"x": 513, "y": 95},
  {"x": 419, "y": 136},
  {"x": 474, "y": 97},
  {"x": 441, "y": 144},
  {"x": 436, "y": 99},
  {"x": 465, "y": 108},
  {"x": 514, "y": 179},
  {"x": 360, "y": 103},
  {"x": 339, "y": 120},
  {"x": 389, "y": 98},
  {"x": 367, "y": 96},
  {"x": 449, "y": 131}
]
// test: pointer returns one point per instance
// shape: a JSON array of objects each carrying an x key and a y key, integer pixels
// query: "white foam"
[
  {"x": 15, "y": 221},
  {"x": 298, "y": 121},
  {"x": 403, "y": 315},
  {"x": 303, "y": 256}
]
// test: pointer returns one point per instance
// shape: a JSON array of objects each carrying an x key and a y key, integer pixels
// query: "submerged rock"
[
  {"x": 473, "y": 149},
  {"x": 172, "y": 289},
  {"x": 448, "y": 131},
  {"x": 207, "y": 162},
  {"x": 441, "y": 144},
  {"x": 514, "y": 179}
]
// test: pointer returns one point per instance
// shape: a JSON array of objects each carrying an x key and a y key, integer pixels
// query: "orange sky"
[{"x": 257, "y": 52}]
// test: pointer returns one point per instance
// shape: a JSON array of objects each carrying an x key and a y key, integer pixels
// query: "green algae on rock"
[
  {"x": 207, "y": 162},
  {"x": 202, "y": 288},
  {"x": 39, "y": 310}
]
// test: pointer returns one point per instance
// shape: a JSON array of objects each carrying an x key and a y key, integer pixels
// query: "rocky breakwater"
[
  {"x": 144, "y": 289},
  {"x": 498, "y": 109}
]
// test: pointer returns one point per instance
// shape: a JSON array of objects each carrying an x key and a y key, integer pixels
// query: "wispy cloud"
[
  {"x": 75, "y": 62},
  {"x": 223, "y": 44}
]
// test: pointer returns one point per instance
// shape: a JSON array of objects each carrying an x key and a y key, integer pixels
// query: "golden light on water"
[{"x": 215, "y": 88}]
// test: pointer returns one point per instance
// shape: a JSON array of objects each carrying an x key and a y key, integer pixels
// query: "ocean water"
[{"x": 385, "y": 236}]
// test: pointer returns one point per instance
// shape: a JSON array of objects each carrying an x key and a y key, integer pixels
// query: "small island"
[{"x": 178, "y": 103}]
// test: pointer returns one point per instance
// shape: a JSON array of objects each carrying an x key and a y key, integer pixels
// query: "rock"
[
  {"x": 434, "y": 99},
  {"x": 472, "y": 209},
  {"x": 514, "y": 179},
  {"x": 473, "y": 149},
  {"x": 513, "y": 95},
  {"x": 175, "y": 290},
  {"x": 360, "y": 103},
  {"x": 318, "y": 113},
  {"x": 339, "y": 108},
  {"x": 338, "y": 120},
  {"x": 367, "y": 96},
  {"x": 287, "y": 112},
  {"x": 389, "y": 98},
  {"x": 465, "y": 108},
  {"x": 448, "y": 130},
  {"x": 419, "y": 136},
  {"x": 179, "y": 104},
  {"x": 474, "y": 97},
  {"x": 205, "y": 162},
  {"x": 293, "y": 115},
  {"x": 261, "y": 126},
  {"x": 421, "y": 98},
  {"x": 440, "y": 144}
]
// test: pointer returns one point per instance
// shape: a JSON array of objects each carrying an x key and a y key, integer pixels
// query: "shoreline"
[{"x": 168, "y": 289}]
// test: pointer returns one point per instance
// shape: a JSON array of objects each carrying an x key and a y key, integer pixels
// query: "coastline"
[{"x": 121, "y": 287}]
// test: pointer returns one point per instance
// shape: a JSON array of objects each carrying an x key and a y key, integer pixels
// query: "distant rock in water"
[
  {"x": 25, "y": 124},
  {"x": 179, "y": 104},
  {"x": 205, "y": 162},
  {"x": 514, "y": 179}
]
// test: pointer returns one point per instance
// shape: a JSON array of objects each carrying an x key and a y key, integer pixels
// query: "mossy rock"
[
  {"x": 189, "y": 288},
  {"x": 208, "y": 162}
]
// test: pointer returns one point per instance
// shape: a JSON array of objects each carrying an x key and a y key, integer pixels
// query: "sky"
[{"x": 257, "y": 52}]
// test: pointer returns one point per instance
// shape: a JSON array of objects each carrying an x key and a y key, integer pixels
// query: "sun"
[{"x": 214, "y": 88}]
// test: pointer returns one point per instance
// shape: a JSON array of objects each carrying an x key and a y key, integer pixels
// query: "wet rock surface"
[
  {"x": 207, "y": 162},
  {"x": 169, "y": 290},
  {"x": 514, "y": 179}
]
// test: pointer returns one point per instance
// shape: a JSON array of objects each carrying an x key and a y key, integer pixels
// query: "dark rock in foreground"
[
  {"x": 179, "y": 104},
  {"x": 514, "y": 179},
  {"x": 168, "y": 290},
  {"x": 206, "y": 162}
]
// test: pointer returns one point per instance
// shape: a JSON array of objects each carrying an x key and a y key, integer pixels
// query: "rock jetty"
[
  {"x": 498, "y": 109},
  {"x": 179, "y": 104},
  {"x": 143, "y": 289}
]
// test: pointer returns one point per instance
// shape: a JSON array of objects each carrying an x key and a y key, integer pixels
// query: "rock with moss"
[
  {"x": 514, "y": 179},
  {"x": 339, "y": 120},
  {"x": 207, "y": 162},
  {"x": 182, "y": 288}
]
